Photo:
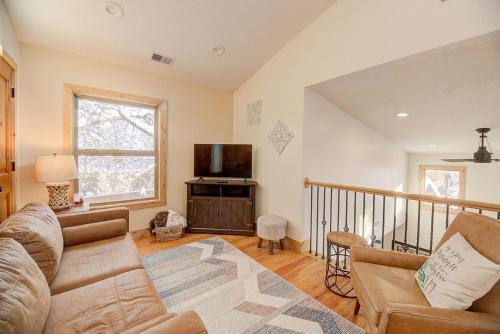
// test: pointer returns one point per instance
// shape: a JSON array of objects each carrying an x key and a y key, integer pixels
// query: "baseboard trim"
[
  {"x": 139, "y": 234},
  {"x": 292, "y": 244},
  {"x": 296, "y": 246}
]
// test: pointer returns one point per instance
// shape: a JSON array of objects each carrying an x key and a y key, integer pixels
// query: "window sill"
[
  {"x": 440, "y": 208},
  {"x": 131, "y": 205}
]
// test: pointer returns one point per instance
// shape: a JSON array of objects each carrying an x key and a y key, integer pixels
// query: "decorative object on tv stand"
[
  {"x": 280, "y": 136},
  {"x": 254, "y": 111},
  {"x": 56, "y": 170}
]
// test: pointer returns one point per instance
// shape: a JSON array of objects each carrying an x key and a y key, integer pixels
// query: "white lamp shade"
[{"x": 55, "y": 168}]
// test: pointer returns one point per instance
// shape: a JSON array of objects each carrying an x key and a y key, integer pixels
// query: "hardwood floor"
[{"x": 302, "y": 270}]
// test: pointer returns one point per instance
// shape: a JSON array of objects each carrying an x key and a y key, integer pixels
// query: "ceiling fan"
[{"x": 482, "y": 155}]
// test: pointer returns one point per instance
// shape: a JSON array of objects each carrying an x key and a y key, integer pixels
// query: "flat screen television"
[{"x": 223, "y": 160}]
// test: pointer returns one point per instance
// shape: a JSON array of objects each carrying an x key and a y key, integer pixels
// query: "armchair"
[{"x": 389, "y": 294}]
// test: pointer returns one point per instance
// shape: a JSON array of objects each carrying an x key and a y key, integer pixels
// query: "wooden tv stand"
[{"x": 221, "y": 206}]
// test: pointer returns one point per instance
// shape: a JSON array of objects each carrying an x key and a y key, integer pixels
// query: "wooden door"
[
  {"x": 7, "y": 205},
  {"x": 235, "y": 214},
  {"x": 205, "y": 212}
]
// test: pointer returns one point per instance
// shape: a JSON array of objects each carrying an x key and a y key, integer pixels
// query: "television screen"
[{"x": 223, "y": 160}]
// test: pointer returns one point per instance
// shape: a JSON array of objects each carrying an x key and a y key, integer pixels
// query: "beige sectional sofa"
[{"x": 97, "y": 284}]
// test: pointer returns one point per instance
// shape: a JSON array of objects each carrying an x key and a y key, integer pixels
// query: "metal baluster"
[
  {"x": 355, "y": 204},
  {"x": 323, "y": 222},
  {"x": 338, "y": 209},
  {"x": 498, "y": 215},
  {"x": 317, "y": 220},
  {"x": 372, "y": 236},
  {"x": 480, "y": 211},
  {"x": 311, "y": 222},
  {"x": 432, "y": 225},
  {"x": 383, "y": 220},
  {"x": 346, "y": 228},
  {"x": 394, "y": 223},
  {"x": 418, "y": 226},
  {"x": 447, "y": 214},
  {"x": 363, "y": 223},
  {"x": 463, "y": 208},
  {"x": 331, "y": 205},
  {"x": 405, "y": 243}
]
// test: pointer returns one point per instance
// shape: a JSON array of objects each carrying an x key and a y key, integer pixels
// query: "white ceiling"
[
  {"x": 251, "y": 30},
  {"x": 448, "y": 92}
]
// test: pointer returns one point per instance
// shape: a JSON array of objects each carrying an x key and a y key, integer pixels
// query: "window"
[
  {"x": 119, "y": 146},
  {"x": 442, "y": 181}
]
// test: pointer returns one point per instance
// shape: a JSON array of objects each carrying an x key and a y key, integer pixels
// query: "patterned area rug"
[{"x": 234, "y": 294}]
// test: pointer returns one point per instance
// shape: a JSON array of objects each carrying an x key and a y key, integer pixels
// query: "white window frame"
[{"x": 73, "y": 92}]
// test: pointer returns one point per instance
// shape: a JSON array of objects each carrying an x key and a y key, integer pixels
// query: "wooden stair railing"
[{"x": 380, "y": 215}]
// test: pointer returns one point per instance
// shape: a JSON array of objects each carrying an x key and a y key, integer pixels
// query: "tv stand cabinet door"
[
  {"x": 236, "y": 214},
  {"x": 204, "y": 212}
]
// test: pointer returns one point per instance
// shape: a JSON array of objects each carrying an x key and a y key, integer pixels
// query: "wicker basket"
[{"x": 164, "y": 233}]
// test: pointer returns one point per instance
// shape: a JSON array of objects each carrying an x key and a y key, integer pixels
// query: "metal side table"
[{"x": 340, "y": 243}]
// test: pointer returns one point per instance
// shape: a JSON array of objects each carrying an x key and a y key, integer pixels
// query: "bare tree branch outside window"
[{"x": 115, "y": 150}]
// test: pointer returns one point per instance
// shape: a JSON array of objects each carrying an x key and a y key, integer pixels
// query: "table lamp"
[{"x": 55, "y": 170}]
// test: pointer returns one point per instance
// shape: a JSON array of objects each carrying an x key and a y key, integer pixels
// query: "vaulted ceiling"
[
  {"x": 447, "y": 93},
  {"x": 251, "y": 31}
]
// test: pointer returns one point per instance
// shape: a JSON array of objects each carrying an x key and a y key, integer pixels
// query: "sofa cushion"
[
  {"x": 112, "y": 305},
  {"x": 36, "y": 228},
  {"x": 24, "y": 293},
  {"x": 377, "y": 285},
  {"x": 91, "y": 262}
]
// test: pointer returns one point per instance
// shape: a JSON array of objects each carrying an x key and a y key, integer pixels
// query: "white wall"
[
  {"x": 340, "y": 149},
  {"x": 8, "y": 38},
  {"x": 351, "y": 35},
  {"x": 195, "y": 115}
]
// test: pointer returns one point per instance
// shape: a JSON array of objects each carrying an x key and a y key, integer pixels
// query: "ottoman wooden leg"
[
  {"x": 281, "y": 244},
  {"x": 259, "y": 243},
  {"x": 270, "y": 247}
]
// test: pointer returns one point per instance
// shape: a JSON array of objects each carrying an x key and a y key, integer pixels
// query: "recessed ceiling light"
[
  {"x": 431, "y": 146},
  {"x": 113, "y": 9},
  {"x": 218, "y": 49},
  {"x": 402, "y": 115}
]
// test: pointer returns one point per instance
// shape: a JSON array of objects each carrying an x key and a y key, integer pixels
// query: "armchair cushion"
[
  {"x": 456, "y": 275},
  {"x": 376, "y": 285},
  {"x": 387, "y": 258},
  {"x": 415, "y": 319}
]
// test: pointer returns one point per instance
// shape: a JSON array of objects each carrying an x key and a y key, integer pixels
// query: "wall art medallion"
[
  {"x": 280, "y": 136},
  {"x": 254, "y": 113}
]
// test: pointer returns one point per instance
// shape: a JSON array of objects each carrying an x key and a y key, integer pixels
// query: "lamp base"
[{"x": 58, "y": 195}]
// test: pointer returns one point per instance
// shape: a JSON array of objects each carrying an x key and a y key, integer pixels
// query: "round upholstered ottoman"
[{"x": 272, "y": 228}]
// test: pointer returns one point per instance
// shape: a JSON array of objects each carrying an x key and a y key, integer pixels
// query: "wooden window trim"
[
  {"x": 71, "y": 90},
  {"x": 421, "y": 183}
]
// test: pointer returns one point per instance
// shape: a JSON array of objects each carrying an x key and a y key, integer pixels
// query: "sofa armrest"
[
  {"x": 416, "y": 319},
  {"x": 93, "y": 216},
  {"x": 185, "y": 323},
  {"x": 80, "y": 234},
  {"x": 387, "y": 258}
]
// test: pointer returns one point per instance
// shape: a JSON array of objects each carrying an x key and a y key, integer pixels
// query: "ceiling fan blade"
[{"x": 459, "y": 160}]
